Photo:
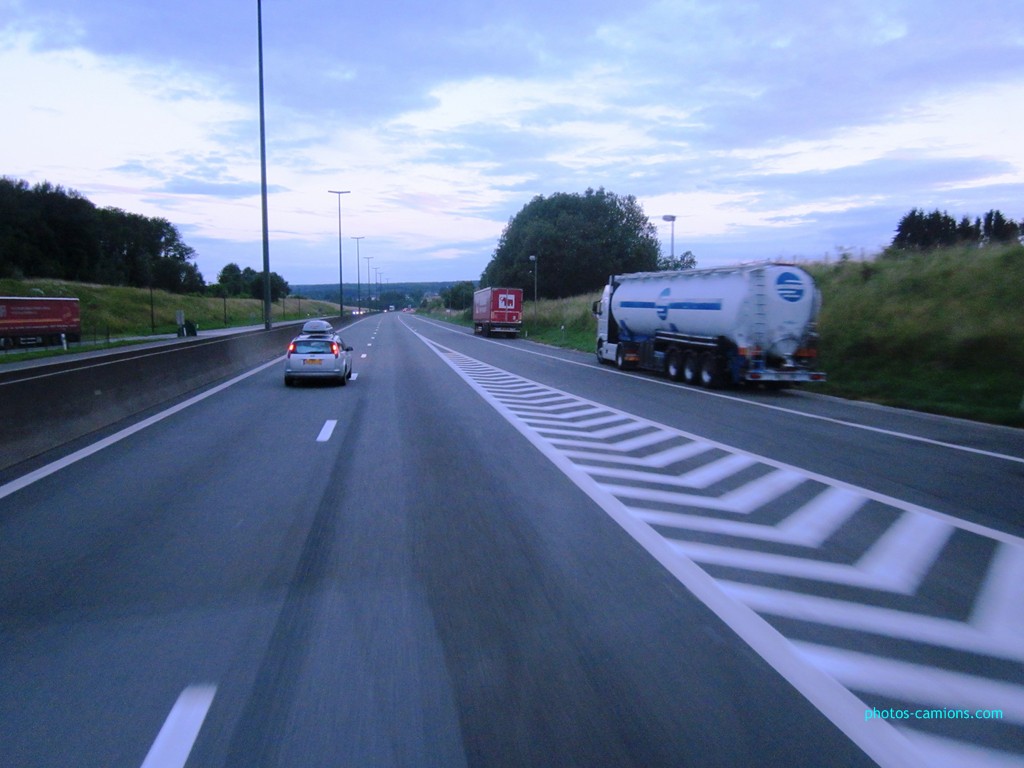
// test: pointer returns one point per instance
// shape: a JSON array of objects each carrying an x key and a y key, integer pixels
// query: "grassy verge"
[
  {"x": 566, "y": 323},
  {"x": 938, "y": 332}
]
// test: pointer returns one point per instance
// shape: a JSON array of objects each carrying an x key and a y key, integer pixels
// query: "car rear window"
[{"x": 313, "y": 347}]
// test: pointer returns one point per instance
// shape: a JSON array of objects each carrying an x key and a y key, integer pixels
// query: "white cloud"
[
  {"x": 114, "y": 126},
  {"x": 980, "y": 124}
]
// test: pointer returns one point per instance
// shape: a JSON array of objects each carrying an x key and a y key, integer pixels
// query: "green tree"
[
  {"x": 673, "y": 263},
  {"x": 998, "y": 229},
  {"x": 231, "y": 281},
  {"x": 254, "y": 281},
  {"x": 578, "y": 241},
  {"x": 920, "y": 231},
  {"x": 458, "y": 296}
]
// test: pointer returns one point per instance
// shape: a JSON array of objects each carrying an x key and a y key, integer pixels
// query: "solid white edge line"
[
  {"x": 25, "y": 480},
  {"x": 879, "y": 740},
  {"x": 181, "y": 728},
  {"x": 768, "y": 406}
]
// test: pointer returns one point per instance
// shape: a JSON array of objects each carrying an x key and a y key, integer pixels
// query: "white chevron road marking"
[
  {"x": 658, "y": 460},
  {"x": 622, "y": 461},
  {"x": 889, "y": 622},
  {"x": 916, "y": 682},
  {"x": 743, "y": 500},
  {"x": 810, "y": 526}
]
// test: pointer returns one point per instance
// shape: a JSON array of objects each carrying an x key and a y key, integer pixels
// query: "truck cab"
[{"x": 606, "y": 327}]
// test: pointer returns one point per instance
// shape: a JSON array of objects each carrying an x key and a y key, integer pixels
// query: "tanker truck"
[{"x": 727, "y": 325}]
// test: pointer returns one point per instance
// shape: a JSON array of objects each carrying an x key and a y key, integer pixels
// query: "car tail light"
[
  {"x": 291, "y": 348},
  {"x": 335, "y": 348}
]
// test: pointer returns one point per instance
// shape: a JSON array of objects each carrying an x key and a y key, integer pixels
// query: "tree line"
[
  {"x": 561, "y": 245},
  {"x": 921, "y": 231},
  {"x": 49, "y": 232}
]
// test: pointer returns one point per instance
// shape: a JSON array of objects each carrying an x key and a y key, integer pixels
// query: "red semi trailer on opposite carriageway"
[{"x": 34, "y": 320}]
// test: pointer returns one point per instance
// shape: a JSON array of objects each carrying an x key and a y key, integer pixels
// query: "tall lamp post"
[
  {"x": 263, "y": 176},
  {"x": 359, "y": 288},
  {"x": 671, "y": 218},
  {"x": 368, "y": 280},
  {"x": 341, "y": 290},
  {"x": 536, "y": 266}
]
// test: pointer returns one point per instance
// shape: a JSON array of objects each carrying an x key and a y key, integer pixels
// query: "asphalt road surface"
[{"x": 487, "y": 553}]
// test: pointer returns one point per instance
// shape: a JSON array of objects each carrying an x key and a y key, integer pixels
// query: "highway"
[{"x": 494, "y": 553}]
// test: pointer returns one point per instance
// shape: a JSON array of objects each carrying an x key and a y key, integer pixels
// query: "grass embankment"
[
  {"x": 559, "y": 322},
  {"x": 941, "y": 332},
  {"x": 938, "y": 332},
  {"x": 112, "y": 312}
]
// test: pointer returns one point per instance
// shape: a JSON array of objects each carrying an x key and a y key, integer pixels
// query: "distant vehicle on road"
[
  {"x": 318, "y": 353},
  {"x": 498, "y": 310},
  {"x": 30, "y": 321}
]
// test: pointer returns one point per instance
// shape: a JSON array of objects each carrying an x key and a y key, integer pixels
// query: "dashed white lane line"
[
  {"x": 327, "y": 431},
  {"x": 175, "y": 740}
]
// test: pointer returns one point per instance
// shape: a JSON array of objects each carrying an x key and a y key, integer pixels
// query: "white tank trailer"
[{"x": 751, "y": 323}]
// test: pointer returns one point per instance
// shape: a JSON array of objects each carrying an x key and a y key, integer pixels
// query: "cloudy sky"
[{"x": 779, "y": 128}]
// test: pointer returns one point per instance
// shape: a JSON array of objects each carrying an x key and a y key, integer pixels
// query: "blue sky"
[{"x": 776, "y": 129}]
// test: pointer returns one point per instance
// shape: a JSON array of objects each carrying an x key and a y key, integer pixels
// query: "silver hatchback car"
[{"x": 318, "y": 353}]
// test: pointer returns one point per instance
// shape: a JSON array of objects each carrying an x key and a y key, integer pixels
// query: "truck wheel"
[
  {"x": 691, "y": 368},
  {"x": 600, "y": 357},
  {"x": 710, "y": 371},
  {"x": 620, "y": 359},
  {"x": 674, "y": 365}
]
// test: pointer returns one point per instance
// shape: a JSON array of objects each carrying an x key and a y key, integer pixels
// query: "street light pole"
[
  {"x": 263, "y": 176},
  {"x": 359, "y": 288},
  {"x": 367, "y": 280},
  {"x": 671, "y": 218},
  {"x": 536, "y": 267},
  {"x": 341, "y": 290}
]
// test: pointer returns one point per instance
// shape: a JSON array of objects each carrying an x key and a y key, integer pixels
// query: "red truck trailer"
[
  {"x": 26, "y": 321},
  {"x": 498, "y": 310}
]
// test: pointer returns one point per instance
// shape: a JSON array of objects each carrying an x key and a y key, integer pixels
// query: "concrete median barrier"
[{"x": 50, "y": 405}]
